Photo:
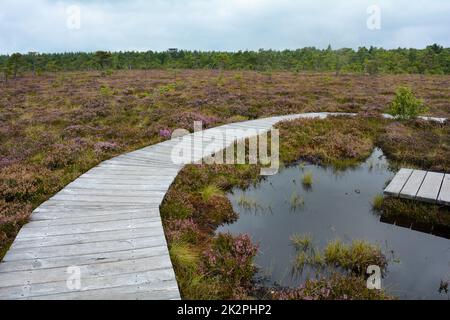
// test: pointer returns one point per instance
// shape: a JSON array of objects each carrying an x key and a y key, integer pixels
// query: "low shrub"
[{"x": 405, "y": 105}]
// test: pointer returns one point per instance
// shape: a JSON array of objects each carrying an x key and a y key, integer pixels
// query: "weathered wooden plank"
[
  {"x": 92, "y": 185},
  {"x": 96, "y": 215},
  {"x": 21, "y": 278},
  {"x": 123, "y": 172},
  {"x": 114, "y": 192},
  {"x": 137, "y": 182},
  {"x": 92, "y": 219},
  {"x": 87, "y": 237},
  {"x": 83, "y": 248},
  {"x": 158, "y": 279},
  {"x": 134, "y": 292},
  {"x": 108, "y": 199},
  {"x": 60, "y": 214},
  {"x": 79, "y": 260},
  {"x": 67, "y": 204},
  {"x": 413, "y": 184},
  {"x": 398, "y": 182},
  {"x": 431, "y": 185},
  {"x": 27, "y": 232},
  {"x": 444, "y": 195}
]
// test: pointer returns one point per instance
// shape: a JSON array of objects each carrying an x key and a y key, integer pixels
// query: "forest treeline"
[{"x": 434, "y": 59}]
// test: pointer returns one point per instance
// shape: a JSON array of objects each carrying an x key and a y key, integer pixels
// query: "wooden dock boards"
[
  {"x": 396, "y": 185},
  {"x": 432, "y": 187},
  {"x": 107, "y": 223},
  {"x": 413, "y": 184}
]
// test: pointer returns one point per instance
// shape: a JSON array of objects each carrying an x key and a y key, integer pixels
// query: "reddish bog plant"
[
  {"x": 230, "y": 259},
  {"x": 183, "y": 230}
]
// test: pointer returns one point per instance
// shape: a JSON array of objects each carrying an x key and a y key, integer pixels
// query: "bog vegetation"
[{"x": 55, "y": 126}]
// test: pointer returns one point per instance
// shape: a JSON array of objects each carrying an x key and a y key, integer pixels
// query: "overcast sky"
[{"x": 55, "y": 26}]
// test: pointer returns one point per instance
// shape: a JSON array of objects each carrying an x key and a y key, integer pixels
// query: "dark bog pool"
[{"x": 337, "y": 206}]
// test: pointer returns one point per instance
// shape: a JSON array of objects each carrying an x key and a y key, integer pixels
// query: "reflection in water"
[{"x": 337, "y": 205}]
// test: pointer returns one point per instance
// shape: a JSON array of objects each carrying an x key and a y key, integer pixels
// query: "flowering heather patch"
[
  {"x": 334, "y": 141},
  {"x": 185, "y": 120},
  {"x": 62, "y": 155},
  {"x": 106, "y": 146},
  {"x": 424, "y": 144},
  {"x": 184, "y": 230},
  {"x": 230, "y": 259},
  {"x": 165, "y": 133}
]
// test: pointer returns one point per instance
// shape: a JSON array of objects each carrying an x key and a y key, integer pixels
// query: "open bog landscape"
[{"x": 57, "y": 126}]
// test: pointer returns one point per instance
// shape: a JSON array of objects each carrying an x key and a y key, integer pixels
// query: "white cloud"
[{"x": 40, "y": 25}]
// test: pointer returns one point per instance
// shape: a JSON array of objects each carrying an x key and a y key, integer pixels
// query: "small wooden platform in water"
[{"x": 427, "y": 186}]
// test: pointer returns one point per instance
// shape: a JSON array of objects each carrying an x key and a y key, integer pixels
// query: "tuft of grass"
[
  {"x": 301, "y": 242},
  {"x": 355, "y": 257},
  {"x": 307, "y": 179},
  {"x": 377, "y": 202},
  {"x": 211, "y": 191},
  {"x": 247, "y": 203},
  {"x": 184, "y": 255},
  {"x": 296, "y": 201},
  {"x": 301, "y": 260},
  {"x": 106, "y": 91}
]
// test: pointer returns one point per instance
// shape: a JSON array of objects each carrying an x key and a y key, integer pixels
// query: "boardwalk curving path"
[{"x": 106, "y": 227}]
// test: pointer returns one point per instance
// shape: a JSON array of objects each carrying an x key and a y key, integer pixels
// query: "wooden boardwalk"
[
  {"x": 421, "y": 185},
  {"x": 106, "y": 227}
]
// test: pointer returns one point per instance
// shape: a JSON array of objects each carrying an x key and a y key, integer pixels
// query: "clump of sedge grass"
[
  {"x": 247, "y": 203},
  {"x": 377, "y": 202},
  {"x": 211, "y": 191},
  {"x": 296, "y": 201},
  {"x": 355, "y": 257},
  {"x": 301, "y": 242},
  {"x": 307, "y": 179}
]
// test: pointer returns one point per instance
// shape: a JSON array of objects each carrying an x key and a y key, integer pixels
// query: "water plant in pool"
[{"x": 337, "y": 230}]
